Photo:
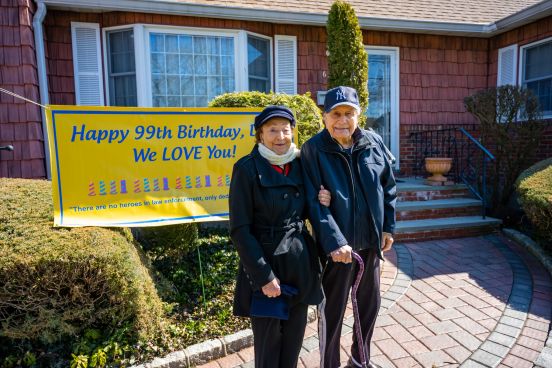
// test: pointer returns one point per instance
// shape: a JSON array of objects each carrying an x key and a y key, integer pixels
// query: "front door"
[{"x": 383, "y": 91}]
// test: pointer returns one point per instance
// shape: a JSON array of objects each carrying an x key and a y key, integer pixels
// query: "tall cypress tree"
[{"x": 347, "y": 59}]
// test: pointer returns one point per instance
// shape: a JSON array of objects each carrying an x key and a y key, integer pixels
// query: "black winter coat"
[
  {"x": 266, "y": 226},
  {"x": 353, "y": 218}
]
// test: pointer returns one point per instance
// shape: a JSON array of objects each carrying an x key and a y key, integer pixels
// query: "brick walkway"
[{"x": 469, "y": 302}]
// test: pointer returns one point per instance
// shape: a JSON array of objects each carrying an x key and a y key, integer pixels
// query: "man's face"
[{"x": 341, "y": 122}]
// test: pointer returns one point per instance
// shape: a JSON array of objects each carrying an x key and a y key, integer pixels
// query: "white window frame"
[
  {"x": 143, "y": 58},
  {"x": 271, "y": 58},
  {"x": 189, "y": 31},
  {"x": 521, "y": 64},
  {"x": 394, "y": 52},
  {"x": 105, "y": 57}
]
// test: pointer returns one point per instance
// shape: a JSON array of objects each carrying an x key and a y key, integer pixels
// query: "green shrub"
[
  {"x": 171, "y": 241},
  {"x": 511, "y": 130},
  {"x": 535, "y": 194},
  {"x": 307, "y": 114},
  {"x": 58, "y": 284},
  {"x": 347, "y": 59}
]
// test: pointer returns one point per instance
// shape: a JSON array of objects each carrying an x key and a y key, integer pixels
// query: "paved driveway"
[{"x": 469, "y": 302}]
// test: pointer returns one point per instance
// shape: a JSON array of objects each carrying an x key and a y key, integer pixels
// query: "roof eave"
[
  {"x": 302, "y": 18},
  {"x": 527, "y": 15}
]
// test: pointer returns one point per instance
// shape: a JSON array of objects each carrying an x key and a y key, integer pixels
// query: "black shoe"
[{"x": 351, "y": 364}]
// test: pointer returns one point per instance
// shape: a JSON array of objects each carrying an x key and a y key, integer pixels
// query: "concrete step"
[
  {"x": 409, "y": 189},
  {"x": 445, "y": 227},
  {"x": 450, "y": 207},
  {"x": 437, "y": 204}
]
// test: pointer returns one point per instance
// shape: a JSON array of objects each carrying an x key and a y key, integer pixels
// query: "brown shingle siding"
[{"x": 20, "y": 122}]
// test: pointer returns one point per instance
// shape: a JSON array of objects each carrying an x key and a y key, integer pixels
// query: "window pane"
[
  {"x": 186, "y": 64},
  {"x": 121, "y": 68},
  {"x": 173, "y": 85},
  {"x": 227, "y": 65},
  {"x": 538, "y": 61},
  {"x": 157, "y": 43},
  {"x": 187, "y": 86},
  {"x": 214, "y": 65},
  {"x": 159, "y": 84},
  {"x": 258, "y": 58},
  {"x": 227, "y": 46},
  {"x": 538, "y": 74},
  {"x": 190, "y": 70},
  {"x": 172, "y": 64},
  {"x": 543, "y": 91},
  {"x": 200, "y": 45},
  {"x": 200, "y": 65},
  {"x": 185, "y": 44},
  {"x": 157, "y": 63},
  {"x": 171, "y": 43}
]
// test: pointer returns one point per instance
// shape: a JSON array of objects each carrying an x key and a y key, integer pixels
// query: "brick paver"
[{"x": 469, "y": 302}]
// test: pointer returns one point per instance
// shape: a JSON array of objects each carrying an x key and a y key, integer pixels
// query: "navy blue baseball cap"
[
  {"x": 341, "y": 95},
  {"x": 274, "y": 111}
]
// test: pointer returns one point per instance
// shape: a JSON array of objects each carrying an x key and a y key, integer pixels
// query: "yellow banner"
[{"x": 144, "y": 166}]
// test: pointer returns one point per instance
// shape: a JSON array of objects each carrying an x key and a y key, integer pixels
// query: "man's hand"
[
  {"x": 272, "y": 289},
  {"x": 343, "y": 254},
  {"x": 386, "y": 242}
]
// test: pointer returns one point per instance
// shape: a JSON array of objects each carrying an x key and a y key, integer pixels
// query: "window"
[
  {"x": 121, "y": 68},
  {"x": 536, "y": 73},
  {"x": 190, "y": 70},
  {"x": 258, "y": 59},
  {"x": 166, "y": 66}
]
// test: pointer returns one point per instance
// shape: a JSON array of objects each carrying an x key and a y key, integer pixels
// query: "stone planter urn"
[{"x": 438, "y": 167}]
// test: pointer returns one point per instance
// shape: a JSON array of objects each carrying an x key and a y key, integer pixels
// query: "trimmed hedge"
[
  {"x": 534, "y": 186},
  {"x": 307, "y": 114},
  {"x": 347, "y": 58},
  {"x": 57, "y": 283}
]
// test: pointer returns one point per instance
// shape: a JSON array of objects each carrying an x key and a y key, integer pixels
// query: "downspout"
[{"x": 42, "y": 76}]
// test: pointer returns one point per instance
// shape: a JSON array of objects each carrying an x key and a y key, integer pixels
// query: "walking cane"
[{"x": 358, "y": 330}]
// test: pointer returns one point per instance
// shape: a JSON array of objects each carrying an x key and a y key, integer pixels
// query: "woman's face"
[{"x": 276, "y": 135}]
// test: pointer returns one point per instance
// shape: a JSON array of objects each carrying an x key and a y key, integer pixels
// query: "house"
[{"x": 424, "y": 58}]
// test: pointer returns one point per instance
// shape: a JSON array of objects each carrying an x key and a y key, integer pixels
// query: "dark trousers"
[
  {"x": 336, "y": 283},
  {"x": 277, "y": 343}
]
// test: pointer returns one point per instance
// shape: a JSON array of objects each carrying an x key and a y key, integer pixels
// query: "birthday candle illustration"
[
  {"x": 165, "y": 184},
  {"x": 156, "y": 185},
  {"x": 102, "y": 188},
  {"x": 219, "y": 181},
  {"x": 227, "y": 180},
  {"x": 207, "y": 180},
  {"x": 123, "y": 187},
  {"x": 179, "y": 183},
  {"x": 198, "y": 181},
  {"x": 91, "y": 189},
  {"x": 113, "y": 187},
  {"x": 146, "y": 185},
  {"x": 188, "y": 181},
  {"x": 136, "y": 186}
]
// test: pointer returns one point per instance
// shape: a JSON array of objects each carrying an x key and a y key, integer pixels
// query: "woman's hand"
[
  {"x": 324, "y": 196},
  {"x": 272, "y": 289}
]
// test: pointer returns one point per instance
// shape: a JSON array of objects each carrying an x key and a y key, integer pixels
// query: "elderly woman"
[{"x": 278, "y": 258}]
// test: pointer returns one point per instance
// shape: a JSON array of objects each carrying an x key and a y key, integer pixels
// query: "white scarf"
[{"x": 276, "y": 159}]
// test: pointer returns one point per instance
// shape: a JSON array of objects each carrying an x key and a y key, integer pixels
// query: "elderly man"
[{"x": 354, "y": 165}]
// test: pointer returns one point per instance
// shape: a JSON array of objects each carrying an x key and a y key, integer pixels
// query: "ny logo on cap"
[{"x": 340, "y": 95}]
